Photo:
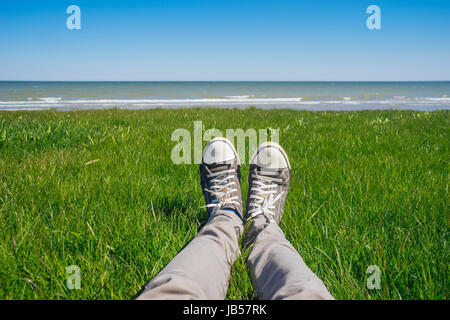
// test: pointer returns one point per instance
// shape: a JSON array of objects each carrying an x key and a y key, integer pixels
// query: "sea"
[{"x": 317, "y": 96}]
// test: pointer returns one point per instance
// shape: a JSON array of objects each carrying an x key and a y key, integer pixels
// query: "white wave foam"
[
  {"x": 438, "y": 99},
  {"x": 50, "y": 99},
  {"x": 45, "y": 103},
  {"x": 239, "y": 97},
  {"x": 153, "y": 101}
]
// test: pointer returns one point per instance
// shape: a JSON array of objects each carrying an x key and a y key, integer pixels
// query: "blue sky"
[{"x": 225, "y": 40}]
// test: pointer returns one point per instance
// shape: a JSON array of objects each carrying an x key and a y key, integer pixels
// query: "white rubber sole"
[
  {"x": 272, "y": 145},
  {"x": 228, "y": 142}
]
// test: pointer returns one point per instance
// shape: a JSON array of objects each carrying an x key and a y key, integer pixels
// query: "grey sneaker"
[
  {"x": 220, "y": 177},
  {"x": 268, "y": 182}
]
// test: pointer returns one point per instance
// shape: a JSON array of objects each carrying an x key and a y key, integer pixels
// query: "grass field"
[{"x": 98, "y": 189}]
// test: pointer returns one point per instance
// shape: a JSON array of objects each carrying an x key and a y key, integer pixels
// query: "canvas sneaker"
[
  {"x": 268, "y": 182},
  {"x": 220, "y": 177}
]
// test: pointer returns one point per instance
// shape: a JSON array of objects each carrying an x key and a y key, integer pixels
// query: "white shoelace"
[
  {"x": 263, "y": 201},
  {"x": 221, "y": 189}
]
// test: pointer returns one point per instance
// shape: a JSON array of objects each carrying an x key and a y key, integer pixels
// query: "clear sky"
[{"x": 259, "y": 40}]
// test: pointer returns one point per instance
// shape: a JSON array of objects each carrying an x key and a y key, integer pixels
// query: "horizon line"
[{"x": 281, "y": 81}]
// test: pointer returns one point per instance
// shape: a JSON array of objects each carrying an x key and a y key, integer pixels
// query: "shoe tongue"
[
  {"x": 216, "y": 167},
  {"x": 267, "y": 171}
]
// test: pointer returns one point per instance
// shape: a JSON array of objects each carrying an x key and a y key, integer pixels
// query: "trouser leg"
[
  {"x": 202, "y": 269},
  {"x": 277, "y": 269}
]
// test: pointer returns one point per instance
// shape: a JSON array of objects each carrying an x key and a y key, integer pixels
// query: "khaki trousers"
[{"x": 202, "y": 269}]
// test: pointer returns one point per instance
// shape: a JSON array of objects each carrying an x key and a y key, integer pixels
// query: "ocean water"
[{"x": 425, "y": 96}]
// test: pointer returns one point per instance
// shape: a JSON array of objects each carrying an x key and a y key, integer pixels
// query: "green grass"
[{"x": 368, "y": 188}]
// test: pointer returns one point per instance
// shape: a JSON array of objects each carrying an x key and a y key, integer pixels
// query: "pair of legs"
[{"x": 202, "y": 269}]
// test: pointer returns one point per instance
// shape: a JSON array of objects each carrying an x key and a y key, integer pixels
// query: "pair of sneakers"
[{"x": 268, "y": 179}]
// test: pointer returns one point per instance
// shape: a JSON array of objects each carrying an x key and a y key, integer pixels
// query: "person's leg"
[
  {"x": 278, "y": 271},
  {"x": 202, "y": 269}
]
